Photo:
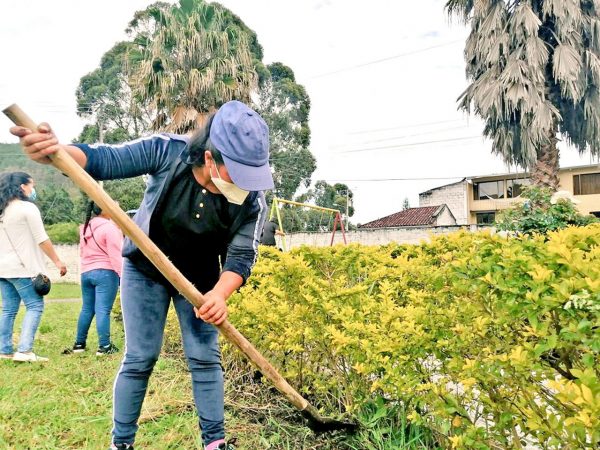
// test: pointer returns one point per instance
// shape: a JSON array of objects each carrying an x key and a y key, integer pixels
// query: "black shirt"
[{"x": 191, "y": 227}]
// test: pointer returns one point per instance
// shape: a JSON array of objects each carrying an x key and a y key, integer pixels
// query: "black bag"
[{"x": 41, "y": 284}]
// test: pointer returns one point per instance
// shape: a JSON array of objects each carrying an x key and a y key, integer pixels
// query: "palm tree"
[
  {"x": 534, "y": 67},
  {"x": 193, "y": 59}
]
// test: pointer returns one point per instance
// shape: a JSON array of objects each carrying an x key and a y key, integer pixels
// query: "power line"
[
  {"x": 412, "y": 144},
  {"x": 377, "y": 61},
  {"x": 361, "y": 180},
  {"x": 425, "y": 133},
  {"x": 416, "y": 125}
]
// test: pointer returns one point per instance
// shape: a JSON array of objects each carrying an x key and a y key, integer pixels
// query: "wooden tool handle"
[{"x": 67, "y": 165}]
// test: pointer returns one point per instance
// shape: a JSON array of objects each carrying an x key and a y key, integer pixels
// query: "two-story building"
[{"x": 476, "y": 200}]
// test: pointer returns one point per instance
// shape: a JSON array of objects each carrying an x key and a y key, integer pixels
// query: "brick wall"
[{"x": 453, "y": 195}]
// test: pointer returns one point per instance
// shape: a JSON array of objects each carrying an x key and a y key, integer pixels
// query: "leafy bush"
[
  {"x": 492, "y": 343},
  {"x": 541, "y": 212},
  {"x": 63, "y": 233}
]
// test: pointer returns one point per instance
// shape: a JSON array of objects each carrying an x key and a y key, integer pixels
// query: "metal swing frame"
[{"x": 275, "y": 211}]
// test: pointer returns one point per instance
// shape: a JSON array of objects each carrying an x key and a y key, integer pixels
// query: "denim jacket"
[{"x": 159, "y": 157}]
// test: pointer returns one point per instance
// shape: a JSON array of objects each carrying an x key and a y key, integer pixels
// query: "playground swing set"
[{"x": 276, "y": 211}]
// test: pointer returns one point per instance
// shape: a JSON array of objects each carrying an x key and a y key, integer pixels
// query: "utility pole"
[{"x": 347, "y": 201}]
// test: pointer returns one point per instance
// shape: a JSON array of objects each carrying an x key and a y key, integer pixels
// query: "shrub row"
[{"x": 491, "y": 342}]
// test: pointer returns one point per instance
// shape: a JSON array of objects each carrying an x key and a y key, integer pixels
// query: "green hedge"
[
  {"x": 63, "y": 233},
  {"x": 491, "y": 342}
]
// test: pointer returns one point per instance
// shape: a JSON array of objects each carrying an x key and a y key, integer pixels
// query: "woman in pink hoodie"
[{"x": 100, "y": 247}]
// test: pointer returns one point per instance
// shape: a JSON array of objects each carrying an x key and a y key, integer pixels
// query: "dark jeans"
[
  {"x": 98, "y": 288},
  {"x": 13, "y": 291},
  {"x": 145, "y": 304}
]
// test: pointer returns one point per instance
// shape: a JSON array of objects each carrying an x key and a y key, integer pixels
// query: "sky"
[{"x": 383, "y": 77}]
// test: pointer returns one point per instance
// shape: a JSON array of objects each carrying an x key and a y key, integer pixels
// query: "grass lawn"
[
  {"x": 66, "y": 402},
  {"x": 64, "y": 290}
]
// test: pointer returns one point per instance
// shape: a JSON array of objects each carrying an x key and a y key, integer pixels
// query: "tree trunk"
[{"x": 545, "y": 171}]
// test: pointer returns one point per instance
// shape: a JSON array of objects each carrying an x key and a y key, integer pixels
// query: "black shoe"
[
  {"x": 108, "y": 350},
  {"x": 77, "y": 348},
  {"x": 227, "y": 445},
  {"x": 121, "y": 447}
]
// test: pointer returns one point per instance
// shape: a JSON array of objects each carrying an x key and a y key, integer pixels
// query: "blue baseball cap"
[{"x": 242, "y": 137}]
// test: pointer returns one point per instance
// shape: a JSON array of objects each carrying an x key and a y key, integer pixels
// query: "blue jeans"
[
  {"x": 145, "y": 304},
  {"x": 13, "y": 291},
  {"x": 98, "y": 289}
]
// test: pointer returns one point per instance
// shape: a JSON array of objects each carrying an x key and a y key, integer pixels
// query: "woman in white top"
[{"x": 22, "y": 240}]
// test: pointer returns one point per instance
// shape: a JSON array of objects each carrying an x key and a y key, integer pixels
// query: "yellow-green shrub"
[{"x": 487, "y": 340}]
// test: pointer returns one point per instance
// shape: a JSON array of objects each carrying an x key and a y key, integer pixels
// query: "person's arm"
[
  {"x": 40, "y": 237},
  {"x": 105, "y": 161},
  {"x": 242, "y": 252},
  {"x": 48, "y": 249}
]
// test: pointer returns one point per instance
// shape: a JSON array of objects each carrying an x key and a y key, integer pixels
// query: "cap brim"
[{"x": 249, "y": 178}]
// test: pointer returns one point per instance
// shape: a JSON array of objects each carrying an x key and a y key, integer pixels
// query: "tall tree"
[
  {"x": 193, "y": 59},
  {"x": 159, "y": 51},
  {"x": 285, "y": 106},
  {"x": 56, "y": 205},
  {"x": 534, "y": 67},
  {"x": 105, "y": 96},
  {"x": 128, "y": 192}
]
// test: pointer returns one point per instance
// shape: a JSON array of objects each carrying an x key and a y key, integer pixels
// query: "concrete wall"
[
  {"x": 412, "y": 235},
  {"x": 453, "y": 195},
  {"x": 445, "y": 218},
  {"x": 69, "y": 254}
]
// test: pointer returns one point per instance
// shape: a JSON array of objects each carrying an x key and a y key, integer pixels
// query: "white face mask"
[{"x": 232, "y": 193}]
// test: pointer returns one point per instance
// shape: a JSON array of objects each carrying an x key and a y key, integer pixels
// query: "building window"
[
  {"x": 514, "y": 188},
  {"x": 489, "y": 190},
  {"x": 486, "y": 218},
  {"x": 586, "y": 184},
  {"x": 595, "y": 214}
]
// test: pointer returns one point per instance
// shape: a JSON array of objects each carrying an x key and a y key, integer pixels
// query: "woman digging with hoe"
[{"x": 203, "y": 207}]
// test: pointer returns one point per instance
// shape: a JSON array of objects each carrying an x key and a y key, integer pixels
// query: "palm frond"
[{"x": 567, "y": 69}]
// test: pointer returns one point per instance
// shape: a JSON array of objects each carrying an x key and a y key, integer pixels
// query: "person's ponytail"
[{"x": 91, "y": 208}]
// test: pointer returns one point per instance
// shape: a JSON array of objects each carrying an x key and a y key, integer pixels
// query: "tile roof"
[{"x": 408, "y": 218}]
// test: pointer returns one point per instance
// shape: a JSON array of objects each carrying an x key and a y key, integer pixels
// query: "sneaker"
[
  {"x": 121, "y": 447},
  {"x": 6, "y": 356},
  {"x": 107, "y": 350},
  {"x": 28, "y": 357},
  {"x": 220, "y": 444},
  {"x": 77, "y": 348}
]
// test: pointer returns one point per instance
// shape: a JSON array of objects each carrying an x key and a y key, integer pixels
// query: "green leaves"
[
  {"x": 482, "y": 338},
  {"x": 540, "y": 213}
]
